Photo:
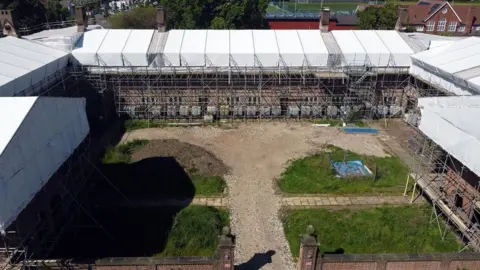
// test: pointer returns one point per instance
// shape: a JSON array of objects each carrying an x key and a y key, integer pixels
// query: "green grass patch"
[
  {"x": 195, "y": 231},
  {"x": 141, "y": 124},
  {"x": 208, "y": 185},
  {"x": 379, "y": 230},
  {"x": 122, "y": 152},
  {"x": 313, "y": 174},
  {"x": 316, "y": 7}
]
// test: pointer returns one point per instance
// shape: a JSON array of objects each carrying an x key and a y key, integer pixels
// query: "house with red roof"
[{"x": 440, "y": 17}]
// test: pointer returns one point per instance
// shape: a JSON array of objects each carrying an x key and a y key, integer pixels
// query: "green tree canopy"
[
  {"x": 378, "y": 17},
  {"x": 31, "y": 13},
  {"x": 199, "y": 14}
]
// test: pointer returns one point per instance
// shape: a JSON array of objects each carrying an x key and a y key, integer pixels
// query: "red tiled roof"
[{"x": 418, "y": 13}]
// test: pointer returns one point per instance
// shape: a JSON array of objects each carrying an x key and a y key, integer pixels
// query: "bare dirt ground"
[
  {"x": 190, "y": 156},
  {"x": 256, "y": 154}
]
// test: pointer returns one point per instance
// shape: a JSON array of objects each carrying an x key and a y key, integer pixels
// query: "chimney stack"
[
  {"x": 161, "y": 18},
  {"x": 7, "y": 25},
  {"x": 324, "y": 19},
  {"x": 81, "y": 19}
]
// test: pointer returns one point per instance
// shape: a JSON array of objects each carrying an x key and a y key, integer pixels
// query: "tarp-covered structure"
[
  {"x": 453, "y": 67},
  {"x": 38, "y": 135},
  {"x": 452, "y": 123},
  {"x": 24, "y": 64},
  {"x": 114, "y": 48},
  {"x": 242, "y": 49}
]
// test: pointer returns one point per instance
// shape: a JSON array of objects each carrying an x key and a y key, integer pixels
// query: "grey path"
[{"x": 322, "y": 201}]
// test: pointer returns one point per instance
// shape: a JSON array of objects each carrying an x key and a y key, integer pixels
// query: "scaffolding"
[
  {"x": 452, "y": 188},
  {"x": 344, "y": 91}
]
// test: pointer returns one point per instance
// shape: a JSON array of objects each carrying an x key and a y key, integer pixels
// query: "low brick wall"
[{"x": 433, "y": 261}]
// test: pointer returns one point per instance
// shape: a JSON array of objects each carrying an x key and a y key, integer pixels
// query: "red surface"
[
  {"x": 332, "y": 25},
  {"x": 290, "y": 24}
]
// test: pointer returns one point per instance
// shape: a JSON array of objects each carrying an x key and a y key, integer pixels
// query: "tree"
[
  {"x": 138, "y": 18},
  {"x": 29, "y": 13},
  {"x": 378, "y": 17}
]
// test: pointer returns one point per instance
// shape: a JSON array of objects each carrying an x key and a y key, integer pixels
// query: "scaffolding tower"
[{"x": 452, "y": 188}]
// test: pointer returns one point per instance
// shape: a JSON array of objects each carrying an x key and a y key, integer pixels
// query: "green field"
[
  {"x": 341, "y": 6},
  {"x": 379, "y": 230},
  {"x": 313, "y": 174}
]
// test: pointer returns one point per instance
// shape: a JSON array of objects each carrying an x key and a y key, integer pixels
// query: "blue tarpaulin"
[
  {"x": 350, "y": 168},
  {"x": 360, "y": 130}
]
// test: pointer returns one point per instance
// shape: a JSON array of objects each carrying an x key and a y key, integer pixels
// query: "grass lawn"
[
  {"x": 313, "y": 174},
  {"x": 315, "y": 7},
  {"x": 204, "y": 185},
  {"x": 195, "y": 232},
  {"x": 141, "y": 124},
  {"x": 376, "y": 230}
]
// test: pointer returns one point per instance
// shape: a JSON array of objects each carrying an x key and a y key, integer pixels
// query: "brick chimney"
[
  {"x": 161, "y": 18},
  {"x": 402, "y": 18},
  {"x": 7, "y": 23},
  {"x": 324, "y": 19},
  {"x": 81, "y": 18}
]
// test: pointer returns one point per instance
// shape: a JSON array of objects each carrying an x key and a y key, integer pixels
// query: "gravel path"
[{"x": 257, "y": 153}]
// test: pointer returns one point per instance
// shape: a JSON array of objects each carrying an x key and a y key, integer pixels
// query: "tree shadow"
[
  {"x": 336, "y": 251},
  {"x": 257, "y": 261},
  {"x": 129, "y": 210}
]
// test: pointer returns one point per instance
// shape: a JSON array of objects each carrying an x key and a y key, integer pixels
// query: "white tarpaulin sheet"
[
  {"x": 26, "y": 63},
  {"x": 266, "y": 48},
  {"x": 242, "y": 50},
  {"x": 399, "y": 49},
  {"x": 135, "y": 51},
  {"x": 316, "y": 52},
  {"x": 377, "y": 52},
  {"x": 110, "y": 52},
  {"x": 173, "y": 45},
  {"x": 217, "y": 50},
  {"x": 38, "y": 134},
  {"x": 452, "y": 123},
  {"x": 193, "y": 48},
  {"x": 290, "y": 48},
  {"x": 352, "y": 49},
  {"x": 85, "y": 51},
  {"x": 455, "y": 64}
]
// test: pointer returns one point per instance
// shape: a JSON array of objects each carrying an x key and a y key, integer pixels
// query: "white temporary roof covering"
[
  {"x": 110, "y": 51},
  {"x": 454, "y": 66},
  {"x": 193, "y": 48},
  {"x": 38, "y": 134},
  {"x": 114, "y": 48},
  {"x": 24, "y": 63},
  {"x": 266, "y": 48},
  {"x": 217, "y": 50},
  {"x": 316, "y": 52},
  {"x": 352, "y": 49},
  {"x": 377, "y": 52},
  {"x": 452, "y": 123},
  {"x": 400, "y": 51},
  {"x": 135, "y": 50},
  {"x": 171, "y": 51},
  {"x": 85, "y": 51},
  {"x": 242, "y": 50},
  {"x": 290, "y": 47}
]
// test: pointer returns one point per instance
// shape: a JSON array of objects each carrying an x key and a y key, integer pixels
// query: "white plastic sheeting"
[
  {"x": 377, "y": 52},
  {"x": 193, "y": 48},
  {"x": 242, "y": 50},
  {"x": 114, "y": 48},
  {"x": 290, "y": 47},
  {"x": 85, "y": 51},
  {"x": 110, "y": 51},
  {"x": 266, "y": 48},
  {"x": 452, "y": 123},
  {"x": 38, "y": 134},
  {"x": 135, "y": 50},
  {"x": 171, "y": 51},
  {"x": 24, "y": 63},
  {"x": 217, "y": 50},
  {"x": 314, "y": 48},
  {"x": 352, "y": 49},
  {"x": 400, "y": 51},
  {"x": 454, "y": 66}
]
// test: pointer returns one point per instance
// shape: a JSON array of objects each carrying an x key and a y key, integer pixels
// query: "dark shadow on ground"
[
  {"x": 336, "y": 251},
  {"x": 257, "y": 261},
  {"x": 125, "y": 214}
]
